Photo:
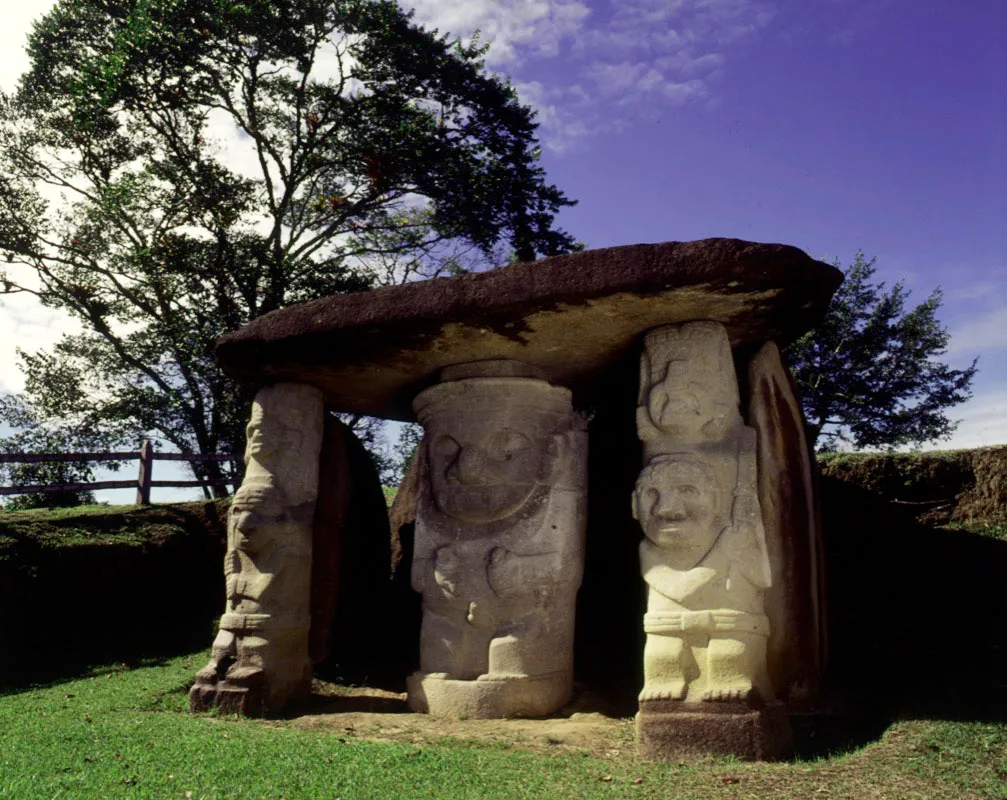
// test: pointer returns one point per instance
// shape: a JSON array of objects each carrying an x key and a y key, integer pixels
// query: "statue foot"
[
  {"x": 663, "y": 691},
  {"x": 243, "y": 675},
  {"x": 727, "y": 694}
]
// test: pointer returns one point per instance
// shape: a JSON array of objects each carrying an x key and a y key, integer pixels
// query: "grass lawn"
[{"x": 121, "y": 732}]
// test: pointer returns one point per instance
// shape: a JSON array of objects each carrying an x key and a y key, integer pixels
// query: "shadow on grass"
[{"x": 916, "y": 620}]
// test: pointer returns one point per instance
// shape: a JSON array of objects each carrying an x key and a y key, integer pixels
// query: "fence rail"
[{"x": 143, "y": 482}]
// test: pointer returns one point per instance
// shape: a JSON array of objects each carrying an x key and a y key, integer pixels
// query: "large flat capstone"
[{"x": 575, "y": 317}]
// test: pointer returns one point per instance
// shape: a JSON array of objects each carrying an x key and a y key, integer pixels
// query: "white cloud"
[
  {"x": 980, "y": 335},
  {"x": 17, "y": 19},
  {"x": 631, "y": 54},
  {"x": 513, "y": 27},
  {"x": 25, "y": 324},
  {"x": 983, "y": 421}
]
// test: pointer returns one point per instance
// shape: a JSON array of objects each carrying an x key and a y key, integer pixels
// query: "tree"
[
  {"x": 372, "y": 150},
  {"x": 870, "y": 373}
]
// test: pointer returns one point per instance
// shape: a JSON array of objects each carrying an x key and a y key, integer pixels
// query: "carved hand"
[
  {"x": 503, "y": 571},
  {"x": 446, "y": 568}
]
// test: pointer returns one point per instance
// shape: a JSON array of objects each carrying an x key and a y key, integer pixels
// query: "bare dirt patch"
[{"x": 589, "y": 724}]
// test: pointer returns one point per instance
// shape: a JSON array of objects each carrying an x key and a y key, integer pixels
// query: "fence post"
[{"x": 146, "y": 467}]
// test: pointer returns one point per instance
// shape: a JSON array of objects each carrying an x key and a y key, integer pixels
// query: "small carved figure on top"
[{"x": 688, "y": 386}]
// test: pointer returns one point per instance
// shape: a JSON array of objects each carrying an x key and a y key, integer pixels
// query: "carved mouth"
[{"x": 482, "y": 503}]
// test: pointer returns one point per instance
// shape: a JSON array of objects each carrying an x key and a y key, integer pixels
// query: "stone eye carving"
[
  {"x": 505, "y": 444},
  {"x": 446, "y": 447}
]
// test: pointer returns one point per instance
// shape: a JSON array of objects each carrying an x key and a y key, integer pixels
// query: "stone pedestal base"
[
  {"x": 230, "y": 699},
  {"x": 668, "y": 729},
  {"x": 249, "y": 694},
  {"x": 489, "y": 698}
]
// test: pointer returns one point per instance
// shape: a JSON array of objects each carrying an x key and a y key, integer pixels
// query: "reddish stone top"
[{"x": 573, "y": 316}]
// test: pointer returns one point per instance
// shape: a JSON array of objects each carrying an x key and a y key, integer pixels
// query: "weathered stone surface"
[
  {"x": 704, "y": 554},
  {"x": 499, "y": 547},
  {"x": 259, "y": 660},
  {"x": 794, "y": 602},
  {"x": 668, "y": 730},
  {"x": 572, "y": 316}
]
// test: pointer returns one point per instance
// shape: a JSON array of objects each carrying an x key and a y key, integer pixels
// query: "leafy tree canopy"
[
  {"x": 870, "y": 374},
  {"x": 363, "y": 149}
]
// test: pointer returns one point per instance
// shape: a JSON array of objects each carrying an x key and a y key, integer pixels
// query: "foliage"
[
  {"x": 171, "y": 169},
  {"x": 870, "y": 373},
  {"x": 35, "y": 437}
]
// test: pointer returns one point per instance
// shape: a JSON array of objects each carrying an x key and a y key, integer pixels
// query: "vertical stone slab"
[
  {"x": 259, "y": 661},
  {"x": 704, "y": 557},
  {"x": 499, "y": 543},
  {"x": 794, "y": 602}
]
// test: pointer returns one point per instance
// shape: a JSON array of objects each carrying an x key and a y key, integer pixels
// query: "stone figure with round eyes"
[
  {"x": 499, "y": 537},
  {"x": 704, "y": 560}
]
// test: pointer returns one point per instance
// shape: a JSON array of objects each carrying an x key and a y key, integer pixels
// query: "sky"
[{"x": 832, "y": 125}]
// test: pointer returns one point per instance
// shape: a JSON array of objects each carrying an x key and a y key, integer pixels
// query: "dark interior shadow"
[
  {"x": 915, "y": 620},
  {"x": 916, "y": 613}
]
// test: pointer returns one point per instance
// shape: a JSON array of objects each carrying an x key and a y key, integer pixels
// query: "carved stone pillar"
[
  {"x": 259, "y": 661},
  {"x": 704, "y": 558},
  {"x": 499, "y": 542}
]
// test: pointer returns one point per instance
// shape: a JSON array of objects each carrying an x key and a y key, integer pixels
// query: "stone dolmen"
[{"x": 511, "y": 373}]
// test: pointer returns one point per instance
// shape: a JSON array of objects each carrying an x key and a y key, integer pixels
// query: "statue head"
[
  {"x": 491, "y": 442},
  {"x": 680, "y": 504},
  {"x": 274, "y": 426},
  {"x": 284, "y": 436},
  {"x": 688, "y": 384},
  {"x": 258, "y": 517}
]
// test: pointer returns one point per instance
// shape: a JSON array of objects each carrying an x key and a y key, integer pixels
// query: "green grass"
[
  {"x": 98, "y": 525},
  {"x": 121, "y": 732},
  {"x": 995, "y": 530}
]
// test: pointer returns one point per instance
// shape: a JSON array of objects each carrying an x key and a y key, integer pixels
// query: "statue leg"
[
  {"x": 453, "y": 649},
  {"x": 668, "y": 666},
  {"x": 531, "y": 646},
  {"x": 222, "y": 655},
  {"x": 735, "y": 665}
]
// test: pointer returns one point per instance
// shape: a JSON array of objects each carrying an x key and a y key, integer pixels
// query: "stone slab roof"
[{"x": 575, "y": 317}]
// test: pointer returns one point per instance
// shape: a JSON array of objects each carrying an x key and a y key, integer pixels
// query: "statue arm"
[{"x": 678, "y": 585}]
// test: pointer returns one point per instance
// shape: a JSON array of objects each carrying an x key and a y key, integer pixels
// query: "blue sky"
[{"x": 833, "y": 125}]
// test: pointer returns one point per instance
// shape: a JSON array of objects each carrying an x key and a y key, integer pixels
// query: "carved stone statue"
[
  {"x": 499, "y": 545},
  {"x": 704, "y": 561},
  {"x": 703, "y": 557},
  {"x": 259, "y": 660}
]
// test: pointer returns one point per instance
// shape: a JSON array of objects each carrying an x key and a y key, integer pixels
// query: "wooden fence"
[{"x": 143, "y": 482}]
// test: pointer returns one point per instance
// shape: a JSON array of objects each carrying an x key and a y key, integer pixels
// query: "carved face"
[
  {"x": 481, "y": 472},
  {"x": 270, "y": 433},
  {"x": 678, "y": 505},
  {"x": 256, "y": 520}
]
